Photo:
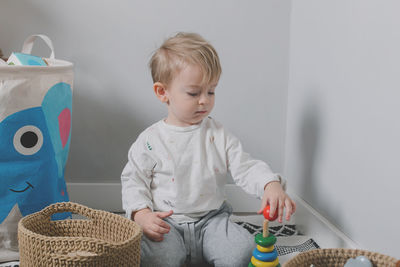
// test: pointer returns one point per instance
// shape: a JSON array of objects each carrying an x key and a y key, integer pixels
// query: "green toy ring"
[{"x": 265, "y": 241}]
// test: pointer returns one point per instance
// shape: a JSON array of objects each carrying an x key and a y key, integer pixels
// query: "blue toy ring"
[{"x": 269, "y": 256}]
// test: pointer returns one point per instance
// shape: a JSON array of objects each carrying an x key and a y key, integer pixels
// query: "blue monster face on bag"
[{"x": 34, "y": 146}]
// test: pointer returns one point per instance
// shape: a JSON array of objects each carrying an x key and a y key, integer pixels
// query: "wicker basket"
[
  {"x": 101, "y": 239},
  {"x": 338, "y": 257}
]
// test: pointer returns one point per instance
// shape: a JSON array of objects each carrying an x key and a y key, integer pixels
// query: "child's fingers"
[
  {"x": 160, "y": 223},
  {"x": 289, "y": 208},
  {"x": 159, "y": 229},
  {"x": 294, "y": 206},
  {"x": 157, "y": 237},
  {"x": 281, "y": 205},
  {"x": 263, "y": 204},
  {"x": 164, "y": 214},
  {"x": 160, "y": 226},
  {"x": 272, "y": 207}
]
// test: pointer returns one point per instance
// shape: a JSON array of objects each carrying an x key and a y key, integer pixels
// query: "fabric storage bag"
[{"x": 35, "y": 134}]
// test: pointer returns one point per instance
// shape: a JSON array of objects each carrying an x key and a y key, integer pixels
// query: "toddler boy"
[{"x": 173, "y": 183}]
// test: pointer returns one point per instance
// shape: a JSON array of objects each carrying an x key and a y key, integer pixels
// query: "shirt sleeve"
[
  {"x": 249, "y": 173},
  {"x": 136, "y": 178}
]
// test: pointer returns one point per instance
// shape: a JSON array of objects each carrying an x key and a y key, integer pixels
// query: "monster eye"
[{"x": 28, "y": 140}]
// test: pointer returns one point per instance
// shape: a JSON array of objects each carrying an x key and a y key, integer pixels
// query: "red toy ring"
[{"x": 267, "y": 215}]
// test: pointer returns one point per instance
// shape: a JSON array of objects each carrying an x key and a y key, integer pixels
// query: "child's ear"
[{"x": 160, "y": 91}]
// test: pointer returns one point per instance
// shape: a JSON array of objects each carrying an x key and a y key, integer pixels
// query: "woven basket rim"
[
  {"x": 347, "y": 251},
  {"x": 137, "y": 235},
  {"x": 80, "y": 238}
]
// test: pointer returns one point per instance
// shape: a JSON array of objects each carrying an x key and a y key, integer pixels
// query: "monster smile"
[{"x": 23, "y": 190}]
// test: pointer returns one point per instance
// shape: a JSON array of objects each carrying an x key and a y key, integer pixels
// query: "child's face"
[{"x": 189, "y": 101}]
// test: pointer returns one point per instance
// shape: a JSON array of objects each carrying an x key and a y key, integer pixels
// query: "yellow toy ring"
[
  {"x": 258, "y": 263},
  {"x": 265, "y": 249}
]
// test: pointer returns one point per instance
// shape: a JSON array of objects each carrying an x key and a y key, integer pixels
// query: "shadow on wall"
[
  {"x": 309, "y": 141},
  {"x": 310, "y": 179},
  {"x": 102, "y": 134}
]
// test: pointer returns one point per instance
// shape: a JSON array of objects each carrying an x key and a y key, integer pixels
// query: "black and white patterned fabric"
[
  {"x": 293, "y": 244},
  {"x": 280, "y": 230},
  {"x": 10, "y": 264},
  {"x": 306, "y": 246}
]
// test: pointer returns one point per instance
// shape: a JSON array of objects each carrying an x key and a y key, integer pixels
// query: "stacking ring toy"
[
  {"x": 265, "y": 255},
  {"x": 265, "y": 241}
]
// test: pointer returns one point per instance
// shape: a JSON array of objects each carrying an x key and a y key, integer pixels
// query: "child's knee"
[
  {"x": 155, "y": 254},
  {"x": 239, "y": 260},
  {"x": 164, "y": 260},
  {"x": 239, "y": 255},
  {"x": 243, "y": 257}
]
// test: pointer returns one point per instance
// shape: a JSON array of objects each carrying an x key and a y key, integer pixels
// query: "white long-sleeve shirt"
[{"x": 184, "y": 169}]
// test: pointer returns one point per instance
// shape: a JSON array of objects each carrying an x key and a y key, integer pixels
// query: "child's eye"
[
  {"x": 192, "y": 94},
  {"x": 211, "y": 93}
]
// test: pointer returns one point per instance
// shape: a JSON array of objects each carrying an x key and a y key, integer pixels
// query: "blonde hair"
[{"x": 182, "y": 49}]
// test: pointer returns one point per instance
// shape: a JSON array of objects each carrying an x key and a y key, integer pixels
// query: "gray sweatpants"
[{"x": 212, "y": 241}]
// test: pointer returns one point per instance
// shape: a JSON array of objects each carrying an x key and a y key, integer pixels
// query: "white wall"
[
  {"x": 110, "y": 43},
  {"x": 342, "y": 126},
  {"x": 343, "y": 131}
]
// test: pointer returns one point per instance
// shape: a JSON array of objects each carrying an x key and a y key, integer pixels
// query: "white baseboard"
[
  {"x": 107, "y": 196},
  {"x": 104, "y": 196},
  {"x": 311, "y": 223}
]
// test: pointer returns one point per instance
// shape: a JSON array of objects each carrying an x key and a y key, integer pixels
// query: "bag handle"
[
  {"x": 69, "y": 207},
  {"x": 28, "y": 44}
]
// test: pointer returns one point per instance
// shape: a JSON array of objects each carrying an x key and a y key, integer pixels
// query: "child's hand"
[
  {"x": 277, "y": 198},
  {"x": 151, "y": 222}
]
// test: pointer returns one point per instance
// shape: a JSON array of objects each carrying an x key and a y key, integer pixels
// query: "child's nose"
[{"x": 203, "y": 99}]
